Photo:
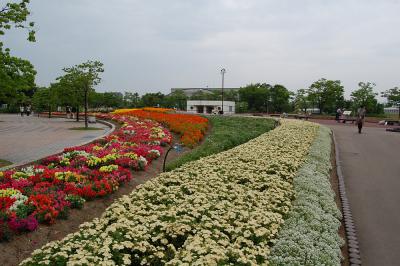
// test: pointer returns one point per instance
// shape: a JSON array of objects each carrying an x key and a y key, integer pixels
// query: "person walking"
[
  {"x": 21, "y": 109},
  {"x": 28, "y": 110},
  {"x": 360, "y": 117},
  {"x": 338, "y": 114}
]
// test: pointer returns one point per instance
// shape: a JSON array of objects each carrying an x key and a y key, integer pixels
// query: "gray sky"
[{"x": 153, "y": 45}]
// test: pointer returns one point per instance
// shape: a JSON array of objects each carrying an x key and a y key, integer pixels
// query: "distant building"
[
  {"x": 391, "y": 110},
  {"x": 190, "y": 91},
  {"x": 209, "y": 107}
]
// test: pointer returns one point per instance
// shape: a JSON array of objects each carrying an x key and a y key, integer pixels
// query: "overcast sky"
[{"x": 153, "y": 45}]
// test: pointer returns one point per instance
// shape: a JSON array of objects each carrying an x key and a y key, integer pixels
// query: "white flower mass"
[{"x": 224, "y": 209}]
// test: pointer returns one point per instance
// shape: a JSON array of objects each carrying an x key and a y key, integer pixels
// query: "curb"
[
  {"x": 110, "y": 125},
  {"x": 351, "y": 233}
]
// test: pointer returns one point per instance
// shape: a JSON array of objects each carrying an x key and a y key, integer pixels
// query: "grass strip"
[
  {"x": 4, "y": 163},
  {"x": 309, "y": 235},
  {"x": 226, "y": 133}
]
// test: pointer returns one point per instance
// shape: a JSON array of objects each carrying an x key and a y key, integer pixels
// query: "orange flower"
[{"x": 191, "y": 127}]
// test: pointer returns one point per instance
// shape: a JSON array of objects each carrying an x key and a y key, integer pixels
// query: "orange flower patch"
[{"x": 191, "y": 127}]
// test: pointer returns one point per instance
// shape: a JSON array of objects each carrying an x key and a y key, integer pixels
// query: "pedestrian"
[
  {"x": 28, "y": 110},
  {"x": 21, "y": 109},
  {"x": 68, "y": 112},
  {"x": 338, "y": 114},
  {"x": 360, "y": 117}
]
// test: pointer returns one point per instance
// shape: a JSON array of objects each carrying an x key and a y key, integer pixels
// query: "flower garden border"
[{"x": 351, "y": 233}]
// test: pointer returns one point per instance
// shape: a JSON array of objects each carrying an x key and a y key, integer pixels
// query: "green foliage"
[
  {"x": 226, "y": 133},
  {"x": 131, "y": 99},
  {"x": 153, "y": 99},
  {"x": 256, "y": 96},
  {"x": 392, "y": 96},
  {"x": 106, "y": 99},
  {"x": 301, "y": 102},
  {"x": 17, "y": 76},
  {"x": 14, "y": 15},
  {"x": 79, "y": 80},
  {"x": 365, "y": 96},
  {"x": 265, "y": 98},
  {"x": 326, "y": 94},
  {"x": 279, "y": 98},
  {"x": 176, "y": 99},
  {"x": 17, "y": 79},
  {"x": 76, "y": 201}
]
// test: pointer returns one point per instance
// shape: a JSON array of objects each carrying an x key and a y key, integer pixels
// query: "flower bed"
[
  {"x": 224, "y": 209},
  {"x": 310, "y": 233},
  {"x": 191, "y": 127},
  {"x": 43, "y": 192}
]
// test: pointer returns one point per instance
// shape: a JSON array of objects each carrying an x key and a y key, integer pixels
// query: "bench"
[
  {"x": 305, "y": 117},
  {"x": 350, "y": 119},
  {"x": 392, "y": 122}
]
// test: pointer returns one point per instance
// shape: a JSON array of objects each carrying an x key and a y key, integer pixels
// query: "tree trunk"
[
  {"x": 77, "y": 113},
  {"x": 49, "y": 111},
  {"x": 86, "y": 107}
]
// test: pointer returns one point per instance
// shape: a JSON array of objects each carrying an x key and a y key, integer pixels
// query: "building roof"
[{"x": 191, "y": 91}]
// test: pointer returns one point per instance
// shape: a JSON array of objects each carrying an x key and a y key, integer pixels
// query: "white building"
[
  {"x": 209, "y": 107},
  {"x": 391, "y": 110}
]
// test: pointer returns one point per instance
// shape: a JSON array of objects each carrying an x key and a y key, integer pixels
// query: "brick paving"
[{"x": 29, "y": 138}]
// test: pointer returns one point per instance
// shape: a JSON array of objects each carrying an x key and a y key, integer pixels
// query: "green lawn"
[
  {"x": 226, "y": 133},
  {"x": 4, "y": 163}
]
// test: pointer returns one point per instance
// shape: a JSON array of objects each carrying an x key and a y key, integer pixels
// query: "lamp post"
[
  {"x": 177, "y": 147},
  {"x": 223, "y": 71}
]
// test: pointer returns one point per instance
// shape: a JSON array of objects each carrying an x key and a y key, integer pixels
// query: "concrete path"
[
  {"x": 28, "y": 138},
  {"x": 371, "y": 168}
]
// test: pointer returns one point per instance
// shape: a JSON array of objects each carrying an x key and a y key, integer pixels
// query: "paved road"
[
  {"x": 25, "y": 139},
  {"x": 371, "y": 168}
]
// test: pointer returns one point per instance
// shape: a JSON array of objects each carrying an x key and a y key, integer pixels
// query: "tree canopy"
[
  {"x": 327, "y": 95},
  {"x": 365, "y": 96},
  {"x": 17, "y": 76}
]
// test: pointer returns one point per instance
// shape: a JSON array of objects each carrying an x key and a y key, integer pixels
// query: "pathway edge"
[
  {"x": 351, "y": 233},
  {"x": 108, "y": 132}
]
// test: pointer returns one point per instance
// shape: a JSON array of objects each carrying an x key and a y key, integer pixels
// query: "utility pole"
[{"x": 223, "y": 71}]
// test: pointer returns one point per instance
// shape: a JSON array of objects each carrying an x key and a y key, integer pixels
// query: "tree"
[
  {"x": 17, "y": 76},
  {"x": 82, "y": 78},
  {"x": 15, "y": 15},
  {"x": 393, "y": 97},
  {"x": 256, "y": 95},
  {"x": 176, "y": 99},
  {"x": 153, "y": 99},
  {"x": 301, "y": 101},
  {"x": 17, "y": 79},
  {"x": 46, "y": 99},
  {"x": 131, "y": 99},
  {"x": 279, "y": 98},
  {"x": 365, "y": 96},
  {"x": 326, "y": 94}
]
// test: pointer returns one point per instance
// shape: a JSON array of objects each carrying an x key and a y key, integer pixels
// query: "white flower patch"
[
  {"x": 223, "y": 209},
  {"x": 19, "y": 200},
  {"x": 310, "y": 234}
]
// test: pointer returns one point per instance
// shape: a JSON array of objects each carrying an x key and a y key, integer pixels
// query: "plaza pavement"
[
  {"x": 371, "y": 169},
  {"x": 28, "y": 138}
]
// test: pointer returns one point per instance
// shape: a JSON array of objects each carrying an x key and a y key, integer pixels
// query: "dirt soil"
[
  {"x": 21, "y": 246},
  {"x": 335, "y": 186}
]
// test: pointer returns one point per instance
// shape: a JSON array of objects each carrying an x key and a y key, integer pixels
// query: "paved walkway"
[
  {"x": 371, "y": 168},
  {"x": 28, "y": 138}
]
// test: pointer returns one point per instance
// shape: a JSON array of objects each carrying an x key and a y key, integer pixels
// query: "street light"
[
  {"x": 223, "y": 71},
  {"x": 177, "y": 147}
]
